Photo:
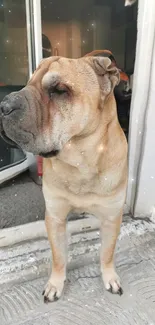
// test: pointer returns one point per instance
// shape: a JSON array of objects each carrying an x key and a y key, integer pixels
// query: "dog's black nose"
[
  {"x": 9, "y": 104},
  {"x": 6, "y": 108}
]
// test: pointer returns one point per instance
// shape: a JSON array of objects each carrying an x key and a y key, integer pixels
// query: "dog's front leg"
[
  {"x": 56, "y": 229},
  {"x": 109, "y": 232}
]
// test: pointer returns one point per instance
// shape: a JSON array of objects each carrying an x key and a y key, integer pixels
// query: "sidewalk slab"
[{"x": 84, "y": 301}]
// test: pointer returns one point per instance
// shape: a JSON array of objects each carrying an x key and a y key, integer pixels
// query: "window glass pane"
[
  {"x": 13, "y": 43},
  {"x": 75, "y": 28},
  {"x": 13, "y": 64}
]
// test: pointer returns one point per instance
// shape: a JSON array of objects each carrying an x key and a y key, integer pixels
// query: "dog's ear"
[{"x": 107, "y": 72}]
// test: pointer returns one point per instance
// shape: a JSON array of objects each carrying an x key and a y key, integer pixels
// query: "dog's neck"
[{"x": 85, "y": 151}]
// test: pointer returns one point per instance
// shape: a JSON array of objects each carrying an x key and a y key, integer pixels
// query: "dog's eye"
[{"x": 58, "y": 90}]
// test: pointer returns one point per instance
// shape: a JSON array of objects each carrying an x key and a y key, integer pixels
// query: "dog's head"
[{"x": 62, "y": 100}]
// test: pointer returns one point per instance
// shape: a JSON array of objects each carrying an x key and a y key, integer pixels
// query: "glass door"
[
  {"x": 13, "y": 65},
  {"x": 76, "y": 28}
]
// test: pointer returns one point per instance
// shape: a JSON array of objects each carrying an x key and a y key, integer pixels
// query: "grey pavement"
[
  {"x": 84, "y": 300},
  {"x": 21, "y": 201}
]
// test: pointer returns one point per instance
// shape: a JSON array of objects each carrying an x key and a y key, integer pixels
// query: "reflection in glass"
[
  {"x": 76, "y": 28},
  {"x": 13, "y": 43},
  {"x": 13, "y": 64}
]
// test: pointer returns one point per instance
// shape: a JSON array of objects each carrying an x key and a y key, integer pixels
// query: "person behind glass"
[{"x": 46, "y": 47}]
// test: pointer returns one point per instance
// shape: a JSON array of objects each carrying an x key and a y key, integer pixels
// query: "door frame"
[{"x": 138, "y": 133}]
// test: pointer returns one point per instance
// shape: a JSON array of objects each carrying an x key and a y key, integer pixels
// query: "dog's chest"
[{"x": 83, "y": 178}]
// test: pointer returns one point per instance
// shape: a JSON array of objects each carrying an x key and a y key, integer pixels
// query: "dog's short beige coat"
[
  {"x": 68, "y": 108},
  {"x": 90, "y": 172}
]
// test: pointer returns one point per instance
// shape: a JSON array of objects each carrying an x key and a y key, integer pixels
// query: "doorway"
[{"x": 75, "y": 29}]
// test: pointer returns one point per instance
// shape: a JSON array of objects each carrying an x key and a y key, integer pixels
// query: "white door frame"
[
  {"x": 34, "y": 33},
  {"x": 140, "y": 108}
]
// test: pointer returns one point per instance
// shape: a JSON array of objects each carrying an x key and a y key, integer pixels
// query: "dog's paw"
[
  {"x": 53, "y": 290},
  {"x": 112, "y": 282}
]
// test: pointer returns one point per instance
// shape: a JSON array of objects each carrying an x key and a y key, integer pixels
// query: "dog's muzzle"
[
  {"x": 18, "y": 124},
  {"x": 9, "y": 104}
]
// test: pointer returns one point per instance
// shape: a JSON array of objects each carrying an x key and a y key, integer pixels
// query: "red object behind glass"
[{"x": 40, "y": 165}]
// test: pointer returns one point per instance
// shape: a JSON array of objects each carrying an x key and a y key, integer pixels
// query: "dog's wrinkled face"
[{"x": 62, "y": 100}]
